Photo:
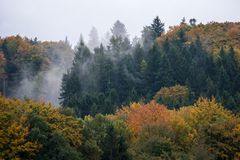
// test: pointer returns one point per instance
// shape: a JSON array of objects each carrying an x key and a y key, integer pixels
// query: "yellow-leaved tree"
[{"x": 31, "y": 129}]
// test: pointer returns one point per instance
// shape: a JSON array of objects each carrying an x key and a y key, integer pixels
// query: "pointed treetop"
[
  {"x": 119, "y": 29},
  {"x": 93, "y": 39},
  {"x": 81, "y": 41},
  {"x": 157, "y": 27}
]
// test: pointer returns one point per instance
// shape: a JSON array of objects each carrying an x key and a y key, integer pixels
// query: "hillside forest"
[{"x": 169, "y": 94}]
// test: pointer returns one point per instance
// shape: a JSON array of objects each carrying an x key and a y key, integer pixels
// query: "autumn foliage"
[
  {"x": 147, "y": 114},
  {"x": 205, "y": 127},
  {"x": 18, "y": 128},
  {"x": 213, "y": 35},
  {"x": 166, "y": 79},
  {"x": 34, "y": 130}
]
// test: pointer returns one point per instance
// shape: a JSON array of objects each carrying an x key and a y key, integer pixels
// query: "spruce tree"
[
  {"x": 72, "y": 89},
  {"x": 157, "y": 27},
  {"x": 119, "y": 29}
]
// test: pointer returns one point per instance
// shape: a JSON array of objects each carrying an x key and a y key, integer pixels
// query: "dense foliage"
[
  {"x": 125, "y": 100},
  {"x": 213, "y": 35},
  {"x": 99, "y": 82},
  {"x": 203, "y": 131},
  {"x": 29, "y": 129},
  {"x": 29, "y": 67},
  {"x": 35, "y": 130}
]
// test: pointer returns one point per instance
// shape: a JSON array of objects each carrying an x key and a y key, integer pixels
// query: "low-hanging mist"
[
  {"x": 94, "y": 78},
  {"x": 45, "y": 84}
]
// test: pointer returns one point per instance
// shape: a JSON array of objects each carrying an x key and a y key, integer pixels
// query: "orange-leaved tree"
[{"x": 139, "y": 115}]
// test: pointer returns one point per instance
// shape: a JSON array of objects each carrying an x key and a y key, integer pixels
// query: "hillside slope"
[{"x": 213, "y": 35}]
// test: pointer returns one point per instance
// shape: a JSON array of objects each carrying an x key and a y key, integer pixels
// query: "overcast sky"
[{"x": 55, "y": 19}]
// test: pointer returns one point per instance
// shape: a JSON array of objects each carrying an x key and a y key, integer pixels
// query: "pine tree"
[
  {"x": 157, "y": 27},
  {"x": 147, "y": 38},
  {"x": 72, "y": 88},
  {"x": 153, "y": 59},
  {"x": 119, "y": 29},
  {"x": 93, "y": 39}
]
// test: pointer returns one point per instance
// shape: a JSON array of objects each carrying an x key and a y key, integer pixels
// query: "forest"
[{"x": 169, "y": 94}]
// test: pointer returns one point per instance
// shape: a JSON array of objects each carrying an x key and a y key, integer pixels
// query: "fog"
[
  {"x": 45, "y": 85},
  {"x": 55, "y": 19}
]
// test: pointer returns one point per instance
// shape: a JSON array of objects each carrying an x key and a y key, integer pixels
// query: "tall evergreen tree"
[
  {"x": 153, "y": 59},
  {"x": 157, "y": 27},
  {"x": 72, "y": 88},
  {"x": 119, "y": 29},
  {"x": 93, "y": 39}
]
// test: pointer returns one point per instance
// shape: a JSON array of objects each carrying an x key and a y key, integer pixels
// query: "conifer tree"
[{"x": 157, "y": 27}]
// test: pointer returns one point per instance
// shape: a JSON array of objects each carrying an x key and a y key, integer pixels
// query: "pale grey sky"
[{"x": 55, "y": 19}]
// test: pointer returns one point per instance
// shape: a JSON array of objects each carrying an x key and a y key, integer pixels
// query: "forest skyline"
[
  {"x": 74, "y": 17},
  {"x": 69, "y": 91}
]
